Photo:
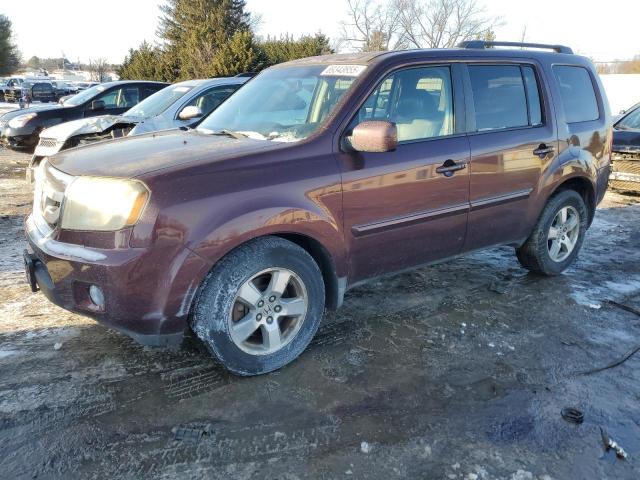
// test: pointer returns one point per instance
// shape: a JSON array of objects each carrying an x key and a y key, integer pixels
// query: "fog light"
[{"x": 96, "y": 295}]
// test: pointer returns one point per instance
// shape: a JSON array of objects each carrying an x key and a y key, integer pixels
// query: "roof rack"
[{"x": 482, "y": 44}]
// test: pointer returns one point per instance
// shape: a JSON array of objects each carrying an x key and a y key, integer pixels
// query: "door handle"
[
  {"x": 543, "y": 150},
  {"x": 449, "y": 167}
]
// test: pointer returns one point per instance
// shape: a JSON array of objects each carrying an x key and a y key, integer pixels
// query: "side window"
[
  {"x": 125, "y": 97},
  {"x": 631, "y": 121},
  {"x": 210, "y": 99},
  {"x": 110, "y": 98},
  {"x": 417, "y": 100},
  {"x": 129, "y": 97},
  {"x": 533, "y": 96},
  {"x": 576, "y": 91},
  {"x": 148, "y": 90},
  {"x": 499, "y": 97}
]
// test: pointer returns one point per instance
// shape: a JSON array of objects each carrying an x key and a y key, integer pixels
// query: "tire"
[
  {"x": 539, "y": 253},
  {"x": 219, "y": 306}
]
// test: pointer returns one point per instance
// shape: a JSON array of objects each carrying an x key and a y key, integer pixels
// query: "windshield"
[
  {"x": 84, "y": 95},
  {"x": 631, "y": 121},
  {"x": 283, "y": 104},
  {"x": 158, "y": 102}
]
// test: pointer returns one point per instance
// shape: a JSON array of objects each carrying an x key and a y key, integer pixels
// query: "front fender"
[{"x": 273, "y": 221}]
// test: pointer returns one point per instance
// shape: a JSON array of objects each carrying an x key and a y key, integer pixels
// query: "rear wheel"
[
  {"x": 260, "y": 306},
  {"x": 558, "y": 235}
]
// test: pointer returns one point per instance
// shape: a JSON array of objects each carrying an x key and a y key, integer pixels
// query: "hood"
[
  {"x": 135, "y": 156},
  {"x": 33, "y": 109},
  {"x": 626, "y": 140},
  {"x": 64, "y": 131}
]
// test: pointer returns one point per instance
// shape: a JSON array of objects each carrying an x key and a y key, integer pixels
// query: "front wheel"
[
  {"x": 558, "y": 235},
  {"x": 260, "y": 306}
]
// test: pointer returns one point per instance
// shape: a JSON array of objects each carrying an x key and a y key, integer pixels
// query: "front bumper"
[
  {"x": 19, "y": 137},
  {"x": 147, "y": 293}
]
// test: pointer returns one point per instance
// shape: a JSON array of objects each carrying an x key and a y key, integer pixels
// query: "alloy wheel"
[
  {"x": 563, "y": 234},
  {"x": 268, "y": 311}
]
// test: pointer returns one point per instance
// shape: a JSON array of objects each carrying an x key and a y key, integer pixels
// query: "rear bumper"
[{"x": 147, "y": 294}]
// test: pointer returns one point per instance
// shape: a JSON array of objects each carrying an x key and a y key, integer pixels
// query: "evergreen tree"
[
  {"x": 196, "y": 33},
  {"x": 9, "y": 55},
  {"x": 144, "y": 63},
  {"x": 287, "y": 48}
]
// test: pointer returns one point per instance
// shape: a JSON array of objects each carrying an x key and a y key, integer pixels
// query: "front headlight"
[
  {"x": 21, "y": 120},
  {"x": 103, "y": 204}
]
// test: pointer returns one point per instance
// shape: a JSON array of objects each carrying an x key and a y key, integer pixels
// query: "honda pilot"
[{"x": 317, "y": 175}]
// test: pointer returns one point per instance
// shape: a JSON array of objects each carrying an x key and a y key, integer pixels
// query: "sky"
[{"x": 86, "y": 29}]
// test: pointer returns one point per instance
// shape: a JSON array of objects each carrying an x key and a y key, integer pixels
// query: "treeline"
[
  {"x": 623, "y": 66},
  {"x": 212, "y": 38}
]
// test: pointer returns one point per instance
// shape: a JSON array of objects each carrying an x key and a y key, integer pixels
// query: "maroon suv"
[{"x": 316, "y": 175}]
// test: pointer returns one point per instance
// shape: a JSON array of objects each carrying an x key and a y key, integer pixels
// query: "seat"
[{"x": 417, "y": 116}]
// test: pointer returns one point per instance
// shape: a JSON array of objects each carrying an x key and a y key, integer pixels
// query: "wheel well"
[
  {"x": 585, "y": 189},
  {"x": 333, "y": 294}
]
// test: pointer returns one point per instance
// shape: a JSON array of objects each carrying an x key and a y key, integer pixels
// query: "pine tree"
[
  {"x": 196, "y": 33},
  {"x": 287, "y": 48},
  {"x": 9, "y": 55},
  {"x": 144, "y": 63}
]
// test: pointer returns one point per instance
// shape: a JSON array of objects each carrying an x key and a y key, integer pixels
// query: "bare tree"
[
  {"x": 442, "y": 23},
  {"x": 372, "y": 26},
  {"x": 98, "y": 69}
]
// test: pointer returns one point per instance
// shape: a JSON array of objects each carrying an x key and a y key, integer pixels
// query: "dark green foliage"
[
  {"x": 287, "y": 48},
  {"x": 9, "y": 55},
  {"x": 212, "y": 38}
]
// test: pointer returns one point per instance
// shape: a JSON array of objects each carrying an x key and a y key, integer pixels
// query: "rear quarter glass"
[{"x": 577, "y": 93}]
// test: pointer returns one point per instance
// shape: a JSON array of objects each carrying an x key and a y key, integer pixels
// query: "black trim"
[
  {"x": 406, "y": 220},
  {"x": 499, "y": 199}
]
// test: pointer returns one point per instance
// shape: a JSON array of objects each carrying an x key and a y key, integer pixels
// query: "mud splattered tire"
[
  {"x": 260, "y": 306},
  {"x": 557, "y": 237}
]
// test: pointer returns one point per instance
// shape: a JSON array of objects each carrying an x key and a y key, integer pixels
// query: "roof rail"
[{"x": 482, "y": 44}]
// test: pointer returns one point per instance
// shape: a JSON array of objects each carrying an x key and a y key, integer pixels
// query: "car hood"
[
  {"x": 33, "y": 109},
  {"x": 135, "y": 156},
  {"x": 626, "y": 140},
  {"x": 66, "y": 130}
]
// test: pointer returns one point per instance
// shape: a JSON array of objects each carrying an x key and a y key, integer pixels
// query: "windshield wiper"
[{"x": 227, "y": 133}]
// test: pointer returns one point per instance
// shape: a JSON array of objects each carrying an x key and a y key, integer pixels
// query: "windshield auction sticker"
[{"x": 343, "y": 70}]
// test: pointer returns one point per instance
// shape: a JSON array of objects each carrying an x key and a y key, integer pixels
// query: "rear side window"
[
  {"x": 499, "y": 97},
  {"x": 576, "y": 91},
  {"x": 533, "y": 96}
]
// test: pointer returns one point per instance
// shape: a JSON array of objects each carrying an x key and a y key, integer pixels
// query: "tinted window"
[
  {"x": 576, "y": 91},
  {"x": 498, "y": 96},
  {"x": 533, "y": 95},
  {"x": 417, "y": 100}
]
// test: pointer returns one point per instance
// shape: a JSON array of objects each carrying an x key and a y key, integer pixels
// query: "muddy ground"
[{"x": 458, "y": 371}]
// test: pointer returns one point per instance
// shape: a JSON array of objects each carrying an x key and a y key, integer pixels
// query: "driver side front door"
[{"x": 400, "y": 208}]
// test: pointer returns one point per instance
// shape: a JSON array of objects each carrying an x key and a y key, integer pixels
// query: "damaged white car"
[{"x": 180, "y": 105}]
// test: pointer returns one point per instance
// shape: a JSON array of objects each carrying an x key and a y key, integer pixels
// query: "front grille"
[
  {"x": 48, "y": 142},
  {"x": 48, "y": 193}
]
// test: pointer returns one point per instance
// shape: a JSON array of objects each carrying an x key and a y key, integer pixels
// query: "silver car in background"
[{"x": 182, "y": 104}]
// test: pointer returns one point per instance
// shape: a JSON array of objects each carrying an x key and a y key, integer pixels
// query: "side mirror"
[
  {"x": 374, "y": 136},
  {"x": 190, "y": 112},
  {"x": 97, "y": 105}
]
